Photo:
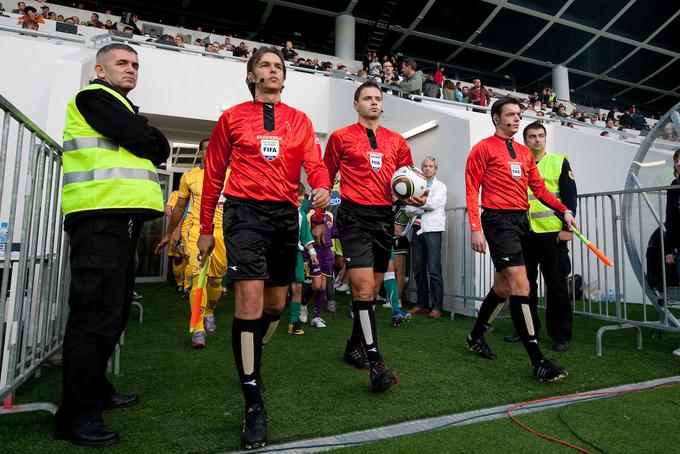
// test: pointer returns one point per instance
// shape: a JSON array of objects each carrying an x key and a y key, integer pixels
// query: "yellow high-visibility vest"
[
  {"x": 101, "y": 174},
  {"x": 541, "y": 218}
]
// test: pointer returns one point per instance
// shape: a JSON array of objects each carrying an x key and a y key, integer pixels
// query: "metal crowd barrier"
[
  {"x": 35, "y": 275},
  {"x": 639, "y": 291}
]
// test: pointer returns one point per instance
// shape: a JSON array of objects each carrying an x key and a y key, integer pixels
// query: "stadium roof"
[{"x": 617, "y": 51}]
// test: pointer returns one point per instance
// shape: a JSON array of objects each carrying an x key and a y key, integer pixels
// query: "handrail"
[
  {"x": 20, "y": 117},
  {"x": 524, "y": 114},
  {"x": 55, "y": 35}
]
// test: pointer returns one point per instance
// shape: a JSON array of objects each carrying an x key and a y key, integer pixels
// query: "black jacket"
[{"x": 113, "y": 120}]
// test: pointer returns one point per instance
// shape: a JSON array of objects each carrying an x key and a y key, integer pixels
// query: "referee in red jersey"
[
  {"x": 367, "y": 155},
  {"x": 266, "y": 142},
  {"x": 504, "y": 169}
]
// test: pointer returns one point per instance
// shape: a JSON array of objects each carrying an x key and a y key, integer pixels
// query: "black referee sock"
[
  {"x": 524, "y": 325},
  {"x": 488, "y": 311},
  {"x": 364, "y": 323},
  {"x": 246, "y": 343},
  {"x": 268, "y": 324},
  {"x": 356, "y": 325}
]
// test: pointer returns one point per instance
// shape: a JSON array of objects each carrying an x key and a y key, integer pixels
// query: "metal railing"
[
  {"x": 639, "y": 291},
  {"x": 33, "y": 289}
]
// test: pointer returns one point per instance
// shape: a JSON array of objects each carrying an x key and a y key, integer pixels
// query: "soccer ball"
[{"x": 408, "y": 181}]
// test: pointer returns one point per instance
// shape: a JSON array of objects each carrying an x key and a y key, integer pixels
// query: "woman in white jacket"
[{"x": 426, "y": 243}]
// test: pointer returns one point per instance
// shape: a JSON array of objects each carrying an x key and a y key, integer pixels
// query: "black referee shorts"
[
  {"x": 261, "y": 240},
  {"x": 504, "y": 231},
  {"x": 366, "y": 235}
]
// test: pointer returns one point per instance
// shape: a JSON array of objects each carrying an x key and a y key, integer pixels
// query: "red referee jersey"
[
  {"x": 366, "y": 161},
  {"x": 504, "y": 179},
  {"x": 265, "y": 144}
]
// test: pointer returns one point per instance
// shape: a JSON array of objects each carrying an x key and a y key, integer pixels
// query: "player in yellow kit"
[
  {"x": 190, "y": 188},
  {"x": 177, "y": 249}
]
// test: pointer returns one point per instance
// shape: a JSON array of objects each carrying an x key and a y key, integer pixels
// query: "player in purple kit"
[{"x": 324, "y": 269}]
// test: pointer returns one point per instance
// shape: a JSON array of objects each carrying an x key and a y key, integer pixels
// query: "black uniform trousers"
[
  {"x": 553, "y": 257},
  {"x": 102, "y": 260}
]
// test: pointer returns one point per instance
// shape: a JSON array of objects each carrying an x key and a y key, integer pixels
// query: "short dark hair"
[
  {"x": 410, "y": 63},
  {"x": 362, "y": 87},
  {"x": 675, "y": 158},
  {"x": 531, "y": 127},
  {"x": 30, "y": 9},
  {"x": 497, "y": 107},
  {"x": 200, "y": 145},
  {"x": 255, "y": 59},
  {"x": 115, "y": 46}
]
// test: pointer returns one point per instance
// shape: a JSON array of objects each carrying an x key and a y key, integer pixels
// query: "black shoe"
[
  {"x": 546, "y": 370},
  {"x": 480, "y": 346},
  {"x": 512, "y": 338},
  {"x": 94, "y": 434},
  {"x": 561, "y": 346},
  {"x": 382, "y": 377},
  {"x": 121, "y": 401},
  {"x": 355, "y": 354},
  {"x": 254, "y": 433}
]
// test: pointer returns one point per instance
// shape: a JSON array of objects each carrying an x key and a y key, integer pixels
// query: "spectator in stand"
[
  {"x": 374, "y": 67},
  {"x": 489, "y": 95},
  {"x": 342, "y": 68},
  {"x": 612, "y": 113},
  {"x": 241, "y": 50},
  {"x": 31, "y": 13},
  {"x": 362, "y": 73},
  {"x": 638, "y": 120},
  {"x": 76, "y": 20},
  {"x": 60, "y": 18},
  {"x": 479, "y": 95},
  {"x": 45, "y": 12},
  {"x": 626, "y": 119},
  {"x": 389, "y": 76},
  {"x": 610, "y": 123},
  {"x": 131, "y": 20},
  {"x": 449, "y": 91},
  {"x": 439, "y": 76},
  {"x": 228, "y": 46},
  {"x": 198, "y": 42},
  {"x": 21, "y": 8},
  {"x": 2, "y": 10},
  {"x": 95, "y": 22},
  {"x": 52, "y": 16},
  {"x": 533, "y": 99},
  {"x": 617, "y": 125},
  {"x": 288, "y": 52},
  {"x": 29, "y": 24},
  {"x": 412, "y": 83},
  {"x": 465, "y": 91},
  {"x": 179, "y": 41},
  {"x": 430, "y": 87},
  {"x": 604, "y": 134}
]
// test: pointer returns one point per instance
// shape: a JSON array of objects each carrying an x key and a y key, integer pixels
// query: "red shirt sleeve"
[
  {"x": 474, "y": 172},
  {"x": 317, "y": 175},
  {"x": 331, "y": 156},
  {"x": 404, "y": 157},
  {"x": 537, "y": 186},
  {"x": 216, "y": 162}
]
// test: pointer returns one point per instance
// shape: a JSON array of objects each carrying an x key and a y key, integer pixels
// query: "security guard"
[
  {"x": 546, "y": 244},
  {"x": 110, "y": 186}
]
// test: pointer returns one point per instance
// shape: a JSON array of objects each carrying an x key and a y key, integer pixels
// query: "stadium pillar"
[
  {"x": 344, "y": 37},
  {"x": 560, "y": 82}
]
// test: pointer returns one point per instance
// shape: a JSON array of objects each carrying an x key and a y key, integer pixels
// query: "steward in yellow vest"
[
  {"x": 110, "y": 186},
  {"x": 546, "y": 244}
]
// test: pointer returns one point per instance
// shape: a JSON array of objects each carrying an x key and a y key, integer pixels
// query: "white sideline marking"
[{"x": 427, "y": 424}]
